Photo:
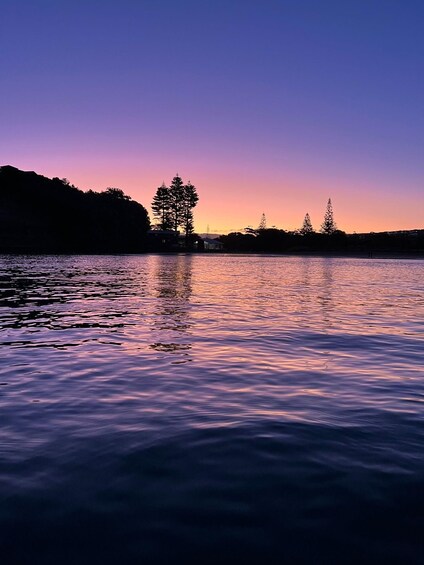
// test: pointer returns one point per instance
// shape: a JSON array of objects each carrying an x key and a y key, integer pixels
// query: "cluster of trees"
[
  {"x": 328, "y": 226},
  {"x": 44, "y": 215},
  {"x": 173, "y": 205}
]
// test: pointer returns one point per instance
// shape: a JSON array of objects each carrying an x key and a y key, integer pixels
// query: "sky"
[{"x": 267, "y": 106}]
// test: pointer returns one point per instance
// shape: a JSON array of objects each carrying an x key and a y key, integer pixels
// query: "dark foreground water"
[{"x": 211, "y": 409}]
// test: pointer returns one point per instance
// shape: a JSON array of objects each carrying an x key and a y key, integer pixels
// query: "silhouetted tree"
[
  {"x": 306, "y": 226},
  {"x": 173, "y": 206},
  {"x": 116, "y": 193},
  {"x": 328, "y": 226},
  {"x": 161, "y": 207},
  {"x": 191, "y": 198},
  {"x": 271, "y": 239},
  {"x": 262, "y": 223},
  {"x": 176, "y": 202}
]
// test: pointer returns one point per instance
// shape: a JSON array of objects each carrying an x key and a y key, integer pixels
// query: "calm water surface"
[{"x": 205, "y": 409}]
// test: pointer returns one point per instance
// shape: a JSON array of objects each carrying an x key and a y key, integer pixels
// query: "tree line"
[
  {"x": 329, "y": 239},
  {"x": 42, "y": 215},
  {"x": 274, "y": 240},
  {"x": 328, "y": 226}
]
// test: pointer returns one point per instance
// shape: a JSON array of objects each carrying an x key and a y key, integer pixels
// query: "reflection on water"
[
  {"x": 204, "y": 409},
  {"x": 326, "y": 291},
  {"x": 172, "y": 307}
]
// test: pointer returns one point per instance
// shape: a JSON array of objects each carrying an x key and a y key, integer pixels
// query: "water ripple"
[{"x": 200, "y": 408}]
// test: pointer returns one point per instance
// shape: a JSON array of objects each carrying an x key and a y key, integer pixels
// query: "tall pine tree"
[
  {"x": 161, "y": 207},
  {"x": 307, "y": 225},
  {"x": 191, "y": 198},
  {"x": 176, "y": 202},
  {"x": 328, "y": 226},
  {"x": 262, "y": 223}
]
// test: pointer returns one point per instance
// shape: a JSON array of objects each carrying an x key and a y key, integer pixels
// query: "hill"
[{"x": 42, "y": 215}]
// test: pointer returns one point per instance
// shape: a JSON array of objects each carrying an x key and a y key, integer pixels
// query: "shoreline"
[{"x": 380, "y": 255}]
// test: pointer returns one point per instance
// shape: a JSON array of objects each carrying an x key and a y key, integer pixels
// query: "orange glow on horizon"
[{"x": 233, "y": 198}]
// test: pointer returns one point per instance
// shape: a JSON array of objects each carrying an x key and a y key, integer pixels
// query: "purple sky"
[{"x": 268, "y": 106}]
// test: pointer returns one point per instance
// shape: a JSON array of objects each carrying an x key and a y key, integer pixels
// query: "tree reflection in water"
[
  {"x": 325, "y": 295},
  {"x": 171, "y": 315}
]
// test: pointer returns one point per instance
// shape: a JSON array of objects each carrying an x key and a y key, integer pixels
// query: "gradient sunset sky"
[{"x": 266, "y": 106}]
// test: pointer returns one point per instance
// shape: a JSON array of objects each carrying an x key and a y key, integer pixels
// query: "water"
[{"x": 204, "y": 409}]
